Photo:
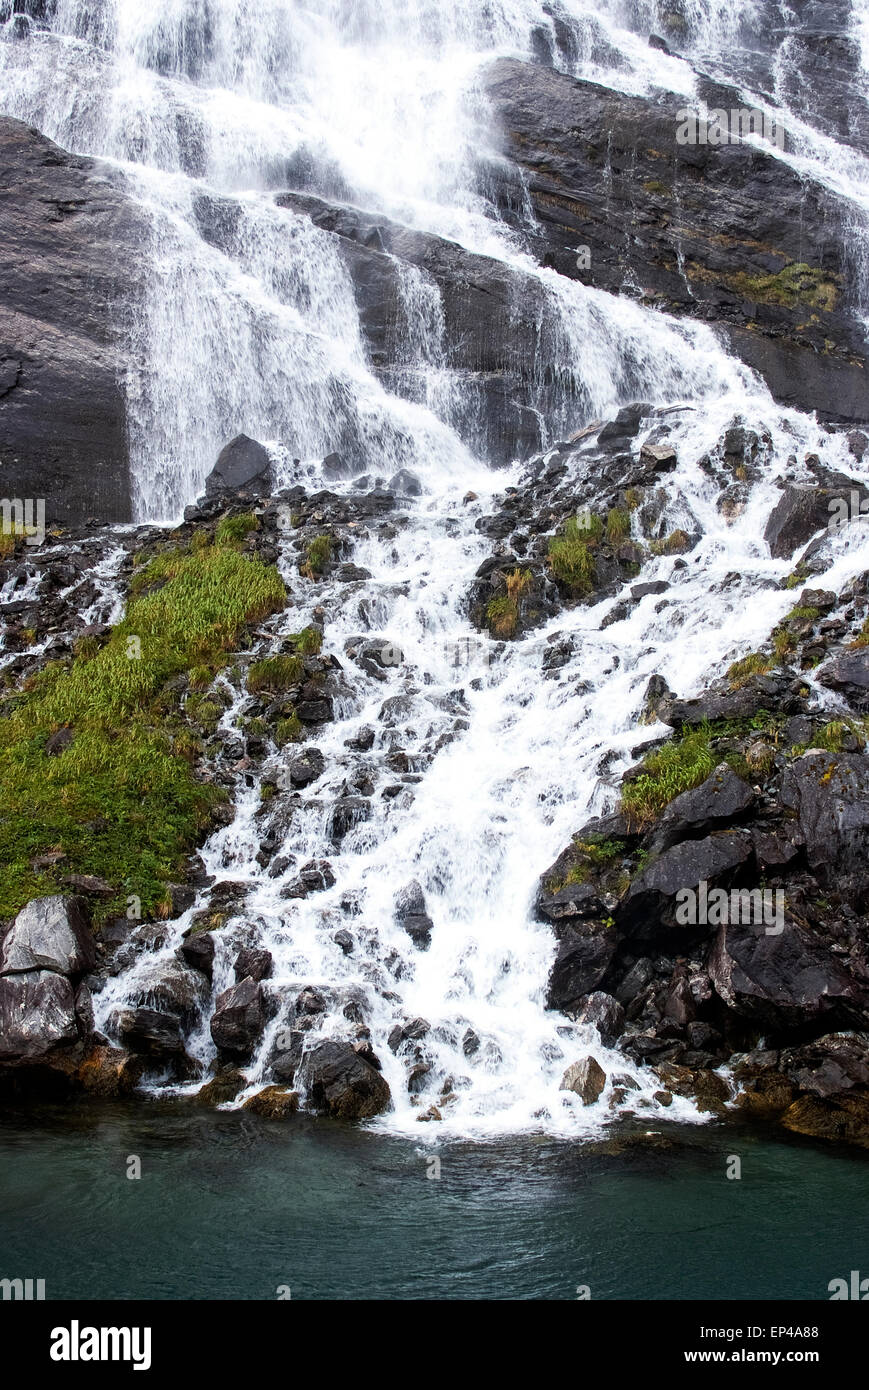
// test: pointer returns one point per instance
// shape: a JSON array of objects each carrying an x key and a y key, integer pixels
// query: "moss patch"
[
  {"x": 120, "y": 802},
  {"x": 796, "y": 284}
]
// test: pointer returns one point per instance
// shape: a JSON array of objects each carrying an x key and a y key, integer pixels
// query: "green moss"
[
  {"x": 308, "y": 642},
  {"x": 275, "y": 674},
  {"x": 677, "y": 767},
  {"x": 655, "y": 186},
  {"x": 797, "y": 284},
  {"x": 803, "y": 615},
  {"x": 121, "y": 801}
]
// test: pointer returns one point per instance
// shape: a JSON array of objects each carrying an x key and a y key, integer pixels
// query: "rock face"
[
  {"x": 726, "y": 233},
  {"x": 492, "y": 319},
  {"x": 341, "y": 1083},
  {"x": 72, "y": 250}
]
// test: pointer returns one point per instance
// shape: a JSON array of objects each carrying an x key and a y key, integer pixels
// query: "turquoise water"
[{"x": 230, "y": 1206}]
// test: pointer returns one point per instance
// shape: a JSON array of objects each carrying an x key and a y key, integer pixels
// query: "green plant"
[
  {"x": 677, "y": 767},
  {"x": 232, "y": 530},
  {"x": 754, "y": 664},
  {"x": 317, "y": 556},
  {"x": 289, "y": 730},
  {"x": 502, "y": 613},
  {"x": 618, "y": 525},
  {"x": 677, "y": 543},
  {"x": 570, "y": 555},
  {"x": 276, "y": 674}
]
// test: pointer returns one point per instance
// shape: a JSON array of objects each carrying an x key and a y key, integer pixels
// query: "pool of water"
[{"x": 231, "y": 1206}]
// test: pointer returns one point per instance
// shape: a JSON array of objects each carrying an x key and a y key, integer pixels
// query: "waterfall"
[{"x": 209, "y": 109}]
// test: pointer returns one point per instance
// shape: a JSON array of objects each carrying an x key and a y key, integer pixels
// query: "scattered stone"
[{"x": 586, "y": 1079}]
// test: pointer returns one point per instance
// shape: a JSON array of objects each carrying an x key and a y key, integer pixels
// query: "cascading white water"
[{"x": 221, "y": 99}]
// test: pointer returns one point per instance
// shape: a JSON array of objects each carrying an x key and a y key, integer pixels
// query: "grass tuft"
[{"x": 677, "y": 767}]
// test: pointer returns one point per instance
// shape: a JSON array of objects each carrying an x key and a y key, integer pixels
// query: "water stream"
[{"x": 228, "y": 99}]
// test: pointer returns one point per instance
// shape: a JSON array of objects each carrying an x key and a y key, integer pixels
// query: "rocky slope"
[{"x": 759, "y": 787}]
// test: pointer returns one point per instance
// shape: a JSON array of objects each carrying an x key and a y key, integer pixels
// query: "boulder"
[
  {"x": 723, "y": 797},
  {"x": 37, "y": 1014},
  {"x": 174, "y": 987},
  {"x": 243, "y": 464},
  {"x": 198, "y": 952},
  {"x": 252, "y": 963},
  {"x": 650, "y": 903},
  {"x": 411, "y": 914},
  {"x": 583, "y": 957},
  {"x": 49, "y": 934},
  {"x": 798, "y": 514},
  {"x": 239, "y": 1018},
  {"x": 830, "y": 794},
  {"x": 347, "y": 813},
  {"x": 150, "y": 1032},
  {"x": 341, "y": 1083},
  {"x": 305, "y": 768},
  {"x": 603, "y": 1012},
  {"x": 586, "y": 1079},
  {"x": 784, "y": 980},
  {"x": 273, "y": 1103},
  {"x": 848, "y": 673},
  {"x": 222, "y": 1088}
]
